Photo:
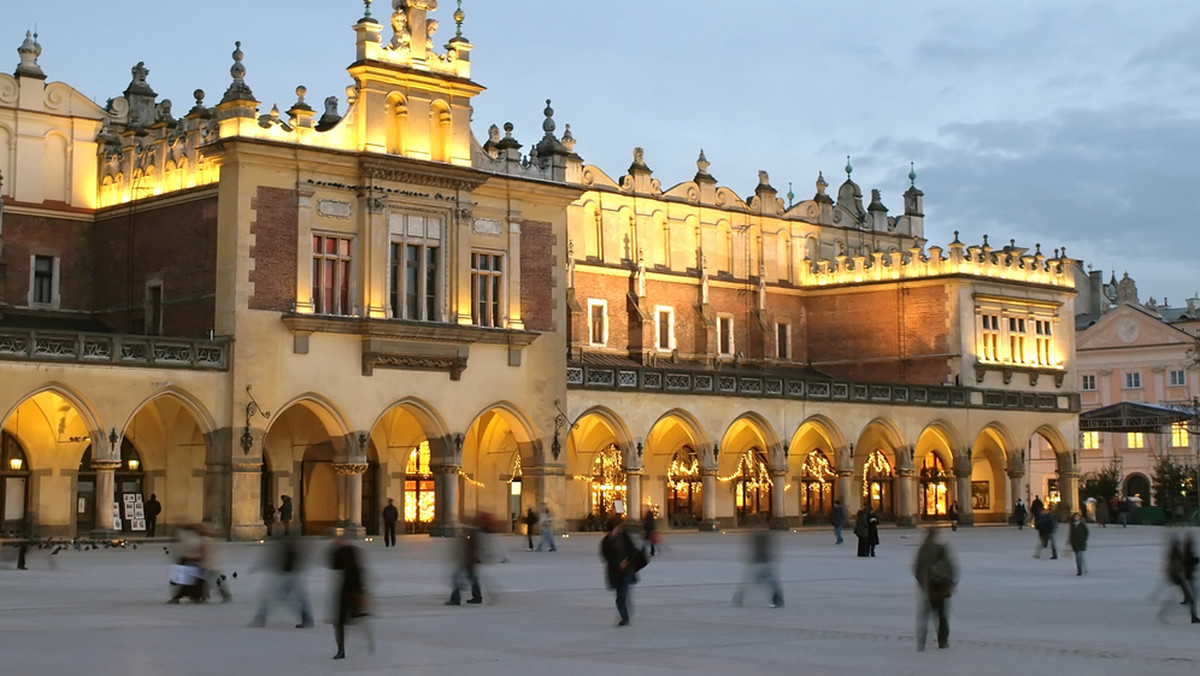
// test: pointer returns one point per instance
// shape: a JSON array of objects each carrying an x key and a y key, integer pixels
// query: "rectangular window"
[
  {"x": 1177, "y": 378},
  {"x": 725, "y": 336},
  {"x": 487, "y": 289},
  {"x": 154, "y": 309},
  {"x": 991, "y": 338},
  {"x": 1135, "y": 440},
  {"x": 1133, "y": 381},
  {"x": 1088, "y": 384},
  {"x": 1042, "y": 339},
  {"x": 414, "y": 281},
  {"x": 783, "y": 341},
  {"x": 1091, "y": 440},
  {"x": 1179, "y": 435},
  {"x": 43, "y": 280},
  {"x": 664, "y": 328},
  {"x": 598, "y": 322},
  {"x": 1016, "y": 340},
  {"x": 331, "y": 279}
]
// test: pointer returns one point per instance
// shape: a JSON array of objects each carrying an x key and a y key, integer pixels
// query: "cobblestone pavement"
[{"x": 548, "y": 613}]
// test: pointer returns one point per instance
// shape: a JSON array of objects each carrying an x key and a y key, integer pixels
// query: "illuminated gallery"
[{"x": 343, "y": 301}]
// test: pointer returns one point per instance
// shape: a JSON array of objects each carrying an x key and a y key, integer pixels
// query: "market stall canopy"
[{"x": 1131, "y": 416}]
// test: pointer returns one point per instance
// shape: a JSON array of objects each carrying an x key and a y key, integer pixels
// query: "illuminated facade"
[{"x": 348, "y": 304}]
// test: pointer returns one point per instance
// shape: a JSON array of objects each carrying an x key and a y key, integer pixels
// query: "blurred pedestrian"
[
  {"x": 1078, "y": 537},
  {"x": 285, "y": 514},
  {"x": 1036, "y": 507},
  {"x": 760, "y": 568},
  {"x": 936, "y": 576},
  {"x": 953, "y": 514},
  {"x": 838, "y": 518},
  {"x": 351, "y": 599},
  {"x": 1019, "y": 513},
  {"x": 1102, "y": 512},
  {"x": 620, "y": 565},
  {"x": 465, "y": 567},
  {"x": 546, "y": 529},
  {"x": 390, "y": 516},
  {"x": 531, "y": 520},
  {"x": 1045, "y": 525},
  {"x": 187, "y": 575},
  {"x": 1180, "y": 572},
  {"x": 152, "y": 509},
  {"x": 650, "y": 533},
  {"x": 210, "y": 563},
  {"x": 284, "y": 562},
  {"x": 268, "y": 516}
]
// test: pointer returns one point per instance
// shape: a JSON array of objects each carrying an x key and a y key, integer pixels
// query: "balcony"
[{"x": 39, "y": 346}]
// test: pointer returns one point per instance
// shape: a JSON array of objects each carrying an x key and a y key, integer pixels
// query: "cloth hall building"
[{"x": 225, "y": 305}]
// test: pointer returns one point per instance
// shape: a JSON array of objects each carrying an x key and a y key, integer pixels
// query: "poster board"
[
  {"x": 116, "y": 516},
  {"x": 134, "y": 511}
]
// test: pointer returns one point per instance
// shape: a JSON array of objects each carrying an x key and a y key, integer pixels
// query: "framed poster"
[
  {"x": 981, "y": 495},
  {"x": 619, "y": 506},
  {"x": 139, "y": 511},
  {"x": 137, "y": 524}
]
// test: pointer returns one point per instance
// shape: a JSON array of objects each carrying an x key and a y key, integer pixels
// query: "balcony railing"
[
  {"x": 114, "y": 349},
  {"x": 666, "y": 381}
]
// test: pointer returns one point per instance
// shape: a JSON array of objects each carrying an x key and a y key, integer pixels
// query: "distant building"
[
  {"x": 223, "y": 306},
  {"x": 1129, "y": 352}
]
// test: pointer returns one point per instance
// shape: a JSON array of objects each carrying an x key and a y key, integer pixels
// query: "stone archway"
[
  {"x": 307, "y": 442},
  {"x": 598, "y": 445},
  {"x": 883, "y": 472},
  {"x": 501, "y": 477},
  {"x": 751, "y": 474},
  {"x": 416, "y": 463},
  {"x": 677, "y": 464},
  {"x": 819, "y": 453}
]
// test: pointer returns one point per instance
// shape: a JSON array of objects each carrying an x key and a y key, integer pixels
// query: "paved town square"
[{"x": 548, "y": 613}]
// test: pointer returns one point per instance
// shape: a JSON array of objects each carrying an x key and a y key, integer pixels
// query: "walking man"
[
  {"x": 153, "y": 508},
  {"x": 531, "y": 520},
  {"x": 285, "y": 514},
  {"x": 352, "y": 593},
  {"x": 465, "y": 570},
  {"x": 617, "y": 550},
  {"x": 1045, "y": 525},
  {"x": 1078, "y": 538},
  {"x": 390, "y": 516},
  {"x": 936, "y": 576},
  {"x": 1019, "y": 513},
  {"x": 546, "y": 529},
  {"x": 838, "y": 519}
]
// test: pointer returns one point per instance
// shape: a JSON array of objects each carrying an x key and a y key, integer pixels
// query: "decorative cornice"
[
  {"x": 304, "y": 324},
  {"x": 404, "y": 170},
  {"x": 412, "y": 362},
  {"x": 350, "y": 468},
  {"x": 105, "y": 464}
]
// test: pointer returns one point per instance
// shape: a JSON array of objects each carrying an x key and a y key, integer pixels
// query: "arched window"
[
  {"x": 419, "y": 490},
  {"x": 934, "y": 480},
  {"x": 14, "y": 485},
  {"x": 684, "y": 505},
  {"x": 752, "y": 487},
  {"x": 878, "y": 483},
  {"x": 608, "y": 482},
  {"x": 817, "y": 480}
]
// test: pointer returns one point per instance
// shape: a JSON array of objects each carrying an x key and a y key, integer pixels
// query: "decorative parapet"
[
  {"x": 1010, "y": 263},
  {"x": 113, "y": 349},
  {"x": 717, "y": 383}
]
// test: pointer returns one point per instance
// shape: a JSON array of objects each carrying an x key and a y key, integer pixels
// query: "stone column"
[
  {"x": 708, "y": 500},
  {"x": 352, "y": 474},
  {"x": 105, "y": 485},
  {"x": 1014, "y": 491},
  {"x": 906, "y": 497},
  {"x": 445, "y": 510},
  {"x": 778, "y": 505},
  {"x": 962, "y": 493},
  {"x": 633, "y": 496},
  {"x": 845, "y": 491},
  {"x": 246, "y": 521}
]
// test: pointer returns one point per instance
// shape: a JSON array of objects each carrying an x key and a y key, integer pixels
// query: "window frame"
[
  {"x": 52, "y": 299},
  {"x": 783, "y": 348},
  {"x": 1087, "y": 379},
  {"x": 1172, "y": 381},
  {"x": 594, "y": 303},
  {"x": 348, "y": 272},
  {"x": 495, "y": 286},
  {"x": 1135, "y": 440},
  {"x": 1089, "y": 441},
  {"x": 725, "y": 329},
  {"x": 659, "y": 311},
  {"x": 428, "y": 307},
  {"x": 1179, "y": 435},
  {"x": 1133, "y": 380}
]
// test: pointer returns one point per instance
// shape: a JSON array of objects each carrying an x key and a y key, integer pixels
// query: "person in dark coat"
[
  {"x": 351, "y": 595},
  {"x": 872, "y": 529},
  {"x": 760, "y": 569},
  {"x": 465, "y": 571},
  {"x": 862, "y": 532},
  {"x": 1019, "y": 514},
  {"x": 285, "y": 514},
  {"x": 390, "y": 516},
  {"x": 953, "y": 514},
  {"x": 617, "y": 550},
  {"x": 936, "y": 576},
  {"x": 1181, "y": 572},
  {"x": 650, "y": 532},
  {"x": 838, "y": 518},
  {"x": 152, "y": 509},
  {"x": 1036, "y": 507},
  {"x": 1045, "y": 524},
  {"x": 1078, "y": 537},
  {"x": 531, "y": 519}
]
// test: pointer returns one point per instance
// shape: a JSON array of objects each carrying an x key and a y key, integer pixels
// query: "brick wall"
[
  {"x": 25, "y": 236},
  {"x": 175, "y": 243},
  {"x": 274, "y": 252},
  {"x": 538, "y": 293}
]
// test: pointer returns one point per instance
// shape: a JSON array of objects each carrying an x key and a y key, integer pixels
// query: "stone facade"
[{"x": 231, "y": 305}]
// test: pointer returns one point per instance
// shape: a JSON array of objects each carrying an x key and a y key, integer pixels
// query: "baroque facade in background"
[{"x": 350, "y": 302}]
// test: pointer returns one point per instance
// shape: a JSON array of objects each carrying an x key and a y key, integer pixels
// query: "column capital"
[
  {"x": 634, "y": 471},
  {"x": 350, "y": 468},
  {"x": 445, "y": 469},
  {"x": 250, "y": 467},
  {"x": 105, "y": 464},
  {"x": 1016, "y": 473},
  {"x": 906, "y": 472}
]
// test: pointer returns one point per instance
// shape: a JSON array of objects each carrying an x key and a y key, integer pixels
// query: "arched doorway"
[
  {"x": 318, "y": 491},
  {"x": 14, "y": 486},
  {"x": 128, "y": 480},
  {"x": 684, "y": 486},
  {"x": 817, "y": 482},
  {"x": 1138, "y": 486},
  {"x": 934, "y": 494},
  {"x": 752, "y": 488},
  {"x": 609, "y": 484},
  {"x": 878, "y": 485},
  {"x": 419, "y": 492}
]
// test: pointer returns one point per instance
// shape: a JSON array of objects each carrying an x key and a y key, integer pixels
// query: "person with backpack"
[
  {"x": 622, "y": 560},
  {"x": 936, "y": 576}
]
